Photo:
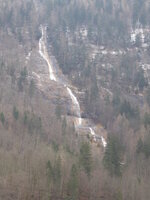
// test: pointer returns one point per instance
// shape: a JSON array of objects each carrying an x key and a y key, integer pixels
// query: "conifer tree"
[
  {"x": 112, "y": 157},
  {"x": 85, "y": 158},
  {"x": 73, "y": 184},
  {"x": 2, "y": 118}
]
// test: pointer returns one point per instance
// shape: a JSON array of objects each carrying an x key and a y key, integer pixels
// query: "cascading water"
[
  {"x": 44, "y": 54},
  {"x": 103, "y": 141},
  {"x": 75, "y": 102}
]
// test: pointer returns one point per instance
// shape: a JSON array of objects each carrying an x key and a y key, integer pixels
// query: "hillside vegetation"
[{"x": 102, "y": 48}]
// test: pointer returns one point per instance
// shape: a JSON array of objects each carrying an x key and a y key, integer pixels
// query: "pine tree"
[
  {"x": 31, "y": 88},
  {"x": 58, "y": 112},
  {"x": 2, "y": 118},
  {"x": 148, "y": 96},
  {"x": 139, "y": 147},
  {"x": 50, "y": 172},
  {"x": 54, "y": 174},
  {"x": 85, "y": 158},
  {"x": 112, "y": 157},
  {"x": 64, "y": 125},
  {"x": 57, "y": 171},
  {"x": 73, "y": 184},
  {"x": 15, "y": 113}
]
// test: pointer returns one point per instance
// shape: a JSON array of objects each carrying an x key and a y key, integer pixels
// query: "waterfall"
[
  {"x": 52, "y": 75},
  {"x": 43, "y": 52},
  {"x": 76, "y": 103}
]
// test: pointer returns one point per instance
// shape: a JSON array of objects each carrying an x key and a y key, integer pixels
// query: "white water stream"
[
  {"x": 43, "y": 52},
  {"x": 52, "y": 75},
  {"x": 76, "y": 103}
]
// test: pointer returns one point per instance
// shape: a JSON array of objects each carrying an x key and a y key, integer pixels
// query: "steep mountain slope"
[{"x": 73, "y": 73}]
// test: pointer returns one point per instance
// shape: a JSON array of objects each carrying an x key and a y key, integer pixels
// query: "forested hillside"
[{"x": 74, "y": 99}]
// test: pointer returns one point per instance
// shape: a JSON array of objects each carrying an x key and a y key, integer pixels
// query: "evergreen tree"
[
  {"x": 58, "y": 112},
  {"x": 50, "y": 172},
  {"x": 22, "y": 78},
  {"x": 144, "y": 147},
  {"x": 112, "y": 157},
  {"x": 57, "y": 171},
  {"x": 94, "y": 90},
  {"x": 140, "y": 80},
  {"x": 73, "y": 184},
  {"x": 25, "y": 119},
  {"x": 31, "y": 88},
  {"x": 15, "y": 113},
  {"x": 146, "y": 120},
  {"x": 64, "y": 125},
  {"x": 2, "y": 118},
  {"x": 85, "y": 158},
  {"x": 139, "y": 147},
  {"x": 55, "y": 146},
  {"x": 148, "y": 97}
]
